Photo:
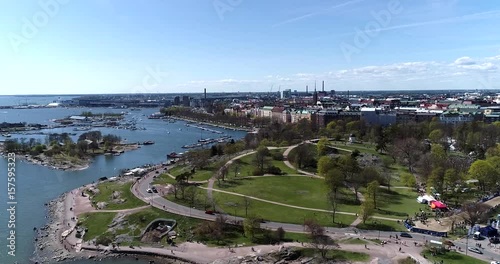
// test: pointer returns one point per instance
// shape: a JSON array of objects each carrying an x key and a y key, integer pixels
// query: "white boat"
[{"x": 6, "y": 135}]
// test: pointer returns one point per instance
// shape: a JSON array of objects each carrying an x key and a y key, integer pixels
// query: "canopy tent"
[
  {"x": 425, "y": 199},
  {"x": 438, "y": 205}
]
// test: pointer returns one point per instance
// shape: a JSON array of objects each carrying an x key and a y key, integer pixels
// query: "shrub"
[
  {"x": 277, "y": 156},
  {"x": 273, "y": 170},
  {"x": 257, "y": 172}
]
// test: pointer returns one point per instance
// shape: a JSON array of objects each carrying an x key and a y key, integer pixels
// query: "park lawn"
[
  {"x": 247, "y": 165},
  {"x": 293, "y": 190},
  {"x": 452, "y": 257},
  {"x": 200, "y": 201},
  {"x": 163, "y": 179},
  {"x": 199, "y": 175},
  {"x": 397, "y": 203},
  {"x": 382, "y": 225},
  {"x": 97, "y": 224},
  {"x": 396, "y": 170},
  {"x": 234, "y": 205},
  {"x": 338, "y": 255},
  {"x": 106, "y": 190}
]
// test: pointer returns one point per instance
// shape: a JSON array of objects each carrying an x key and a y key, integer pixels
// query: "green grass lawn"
[
  {"x": 234, "y": 205},
  {"x": 163, "y": 179},
  {"x": 338, "y": 255},
  {"x": 397, "y": 203},
  {"x": 293, "y": 190},
  {"x": 106, "y": 190},
  {"x": 452, "y": 257},
  {"x": 97, "y": 223},
  {"x": 382, "y": 225},
  {"x": 246, "y": 165},
  {"x": 199, "y": 175},
  {"x": 199, "y": 202}
]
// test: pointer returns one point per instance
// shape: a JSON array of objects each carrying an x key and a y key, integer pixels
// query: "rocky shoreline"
[
  {"x": 49, "y": 248},
  {"x": 50, "y": 162}
]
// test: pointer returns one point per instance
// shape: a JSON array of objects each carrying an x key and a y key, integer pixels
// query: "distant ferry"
[{"x": 149, "y": 142}]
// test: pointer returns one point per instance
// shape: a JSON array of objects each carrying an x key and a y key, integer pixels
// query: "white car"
[{"x": 149, "y": 190}]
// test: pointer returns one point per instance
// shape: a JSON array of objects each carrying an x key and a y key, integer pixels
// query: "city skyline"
[{"x": 105, "y": 46}]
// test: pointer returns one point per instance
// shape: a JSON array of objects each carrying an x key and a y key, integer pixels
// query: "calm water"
[{"x": 36, "y": 185}]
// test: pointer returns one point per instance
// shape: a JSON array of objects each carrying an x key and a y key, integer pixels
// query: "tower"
[{"x": 323, "y": 86}]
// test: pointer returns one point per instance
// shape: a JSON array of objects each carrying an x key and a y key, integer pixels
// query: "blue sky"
[{"x": 113, "y": 46}]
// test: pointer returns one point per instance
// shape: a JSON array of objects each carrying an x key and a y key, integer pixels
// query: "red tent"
[{"x": 438, "y": 205}]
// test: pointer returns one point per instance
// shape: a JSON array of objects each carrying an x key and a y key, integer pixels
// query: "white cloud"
[
  {"x": 463, "y": 72},
  {"x": 464, "y": 61}
]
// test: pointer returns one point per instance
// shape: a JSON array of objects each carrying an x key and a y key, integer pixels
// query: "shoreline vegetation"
[{"x": 60, "y": 152}]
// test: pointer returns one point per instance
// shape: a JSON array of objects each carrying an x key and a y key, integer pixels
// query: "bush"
[
  {"x": 257, "y": 172},
  {"x": 277, "y": 156},
  {"x": 104, "y": 239},
  {"x": 273, "y": 170}
]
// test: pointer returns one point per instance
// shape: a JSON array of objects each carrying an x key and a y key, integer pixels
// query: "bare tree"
[
  {"x": 247, "y": 203},
  {"x": 408, "y": 150},
  {"x": 319, "y": 240},
  {"x": 474, "y": 213}
]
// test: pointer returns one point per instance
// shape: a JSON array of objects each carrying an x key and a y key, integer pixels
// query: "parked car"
[
  {"x": 404, "y": 234},
  {"x": 210, "y": 212},
  {"x": 494, "y": 240},
  {"x": 149, "y": 190},
  {"x": 475, "y": 250}
]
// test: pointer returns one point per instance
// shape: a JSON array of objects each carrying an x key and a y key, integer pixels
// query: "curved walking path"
[{"x": 295, "y": 206}]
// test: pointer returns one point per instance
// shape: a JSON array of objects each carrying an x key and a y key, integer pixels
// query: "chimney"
[
  {"x": 205, "y": 93},
  {"x": 323, "y": 86},
  {"x": 307, "y": 89}
]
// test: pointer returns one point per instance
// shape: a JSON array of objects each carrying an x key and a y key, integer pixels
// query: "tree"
[
  {"x": 367, "y": 210},
  {"x": 301, "y": 155},
  {"x": 349, "y": 166},
  {"x": 261, "y": 157},
  {"x": 319, "y": 240},
  {"x": 408, "y": 179},
  {"x": 251, "y": 225},
  {"x": 474, "y": 212},
  {"x": 247, "y": 203},
  {"x": 408, "y": 150},
  {"x": 325, "y": 164},
  {"x": 222, "y": 173},
  {"x": 280, "y": 234},
  {"x": 482, "y": 171},
  {"x": 334, "y": 181},
  {"x": 372, "y": 190},
  {"x": 436, "y": 136},
  {"x": 190, "y": 195},
  {"x": 322, "y": 146}
]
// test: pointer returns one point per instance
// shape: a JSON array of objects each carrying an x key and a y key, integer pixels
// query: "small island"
[{"x": 60, "y": 151}]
